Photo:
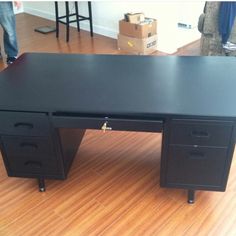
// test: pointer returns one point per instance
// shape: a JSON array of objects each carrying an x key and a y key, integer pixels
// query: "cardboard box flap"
[{"x": 135, "y": 18}]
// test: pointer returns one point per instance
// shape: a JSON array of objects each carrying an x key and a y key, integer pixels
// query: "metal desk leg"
[
  {"x": 191, "y": 196},
  {"x": 41, "y": 185}
]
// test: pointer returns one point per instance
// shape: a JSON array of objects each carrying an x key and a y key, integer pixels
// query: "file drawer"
[
  {"x": 201, "y": 166},
  {"x": 23, "y": 123},
  {"x": 201, "y": 133}
]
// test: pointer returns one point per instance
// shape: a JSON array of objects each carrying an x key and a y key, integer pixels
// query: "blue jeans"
[{"x": 8, "y": 23}]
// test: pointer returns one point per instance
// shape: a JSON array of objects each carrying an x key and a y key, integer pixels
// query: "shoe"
[
  {"x": 10, "y": 60},
  {"x": 229, "y": 46}
]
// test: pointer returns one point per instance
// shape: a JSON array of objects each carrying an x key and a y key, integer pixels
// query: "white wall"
[{"x": 106, "y": 16}]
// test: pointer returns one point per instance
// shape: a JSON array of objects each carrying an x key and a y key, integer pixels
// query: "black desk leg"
[
  {"x": 77, "y": 16},
  {"x": 90, "y": 18},
  {"x": 41, "y": 185},
  {"x": 191, "y": 196},
  {"x": 57, "y": 20},
  {"x": 67, "y": 21}
]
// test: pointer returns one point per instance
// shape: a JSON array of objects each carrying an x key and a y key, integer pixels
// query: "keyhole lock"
[{"x": 105, "y": 127}]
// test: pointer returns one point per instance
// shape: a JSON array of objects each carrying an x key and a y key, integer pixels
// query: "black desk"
[{"x": 48, "y": 100}]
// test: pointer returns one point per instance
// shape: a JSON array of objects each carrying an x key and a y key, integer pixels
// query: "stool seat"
[{"x": 66, "y": 19}]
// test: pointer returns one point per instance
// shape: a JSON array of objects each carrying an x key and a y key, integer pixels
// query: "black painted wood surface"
[{"x": 145, "y": 86}]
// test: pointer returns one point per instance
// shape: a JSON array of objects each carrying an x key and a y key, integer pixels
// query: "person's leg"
[{"x": 7, "y": 21}]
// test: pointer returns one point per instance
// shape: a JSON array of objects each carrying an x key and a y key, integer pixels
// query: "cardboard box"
[
  {"x": 137, "y": 46},
  {"x": 138, "y": 30}
]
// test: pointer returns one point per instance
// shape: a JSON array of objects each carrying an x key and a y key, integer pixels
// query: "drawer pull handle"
[
  {"x": 197, "y": 156},
  {"x": 105, "y": 127},
  {"x": 200, "y": 134},
  {"x": 34, "y": 164},
  {"x": 24, "y": 125},
  {"x": 30, "y": 145}
]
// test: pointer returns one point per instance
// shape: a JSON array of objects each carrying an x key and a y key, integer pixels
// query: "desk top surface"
[{"x": 145, "y": 86}]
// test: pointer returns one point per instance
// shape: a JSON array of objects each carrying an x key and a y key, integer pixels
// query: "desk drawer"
[
  {"x": 29, "y": 155},
  {"x": 28, "y": 146},
  {"x": 201, "y": 133},
  {"x": 23, "y": 123},
  {"x": 111, "y": 123},
  {"x": 201, "y": 166},
  {"x": 30, "y": 167}
]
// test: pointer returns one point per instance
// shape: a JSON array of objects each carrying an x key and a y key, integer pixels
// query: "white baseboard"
[{"x": 84, "y": 25}]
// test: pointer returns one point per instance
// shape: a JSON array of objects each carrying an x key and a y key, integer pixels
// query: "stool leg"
[
  {"x": 90, "y": 18},
  {"x": 77, "y": 16},
  {"x": 67, "y": 22},
  {"x": 57, "y": 20}
]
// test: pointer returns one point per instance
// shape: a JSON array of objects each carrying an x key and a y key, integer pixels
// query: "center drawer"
[
  {"x": 108, "y": 123},
  {"x": 203, "y": 133},
  {"x": 23, "y": 123}
]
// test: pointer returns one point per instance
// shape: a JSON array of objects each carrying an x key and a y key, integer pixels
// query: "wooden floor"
[{"x": 113, "y": 186}]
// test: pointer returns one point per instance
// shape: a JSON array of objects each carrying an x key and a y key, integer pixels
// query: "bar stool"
[{"x": 67, "y": 17}]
